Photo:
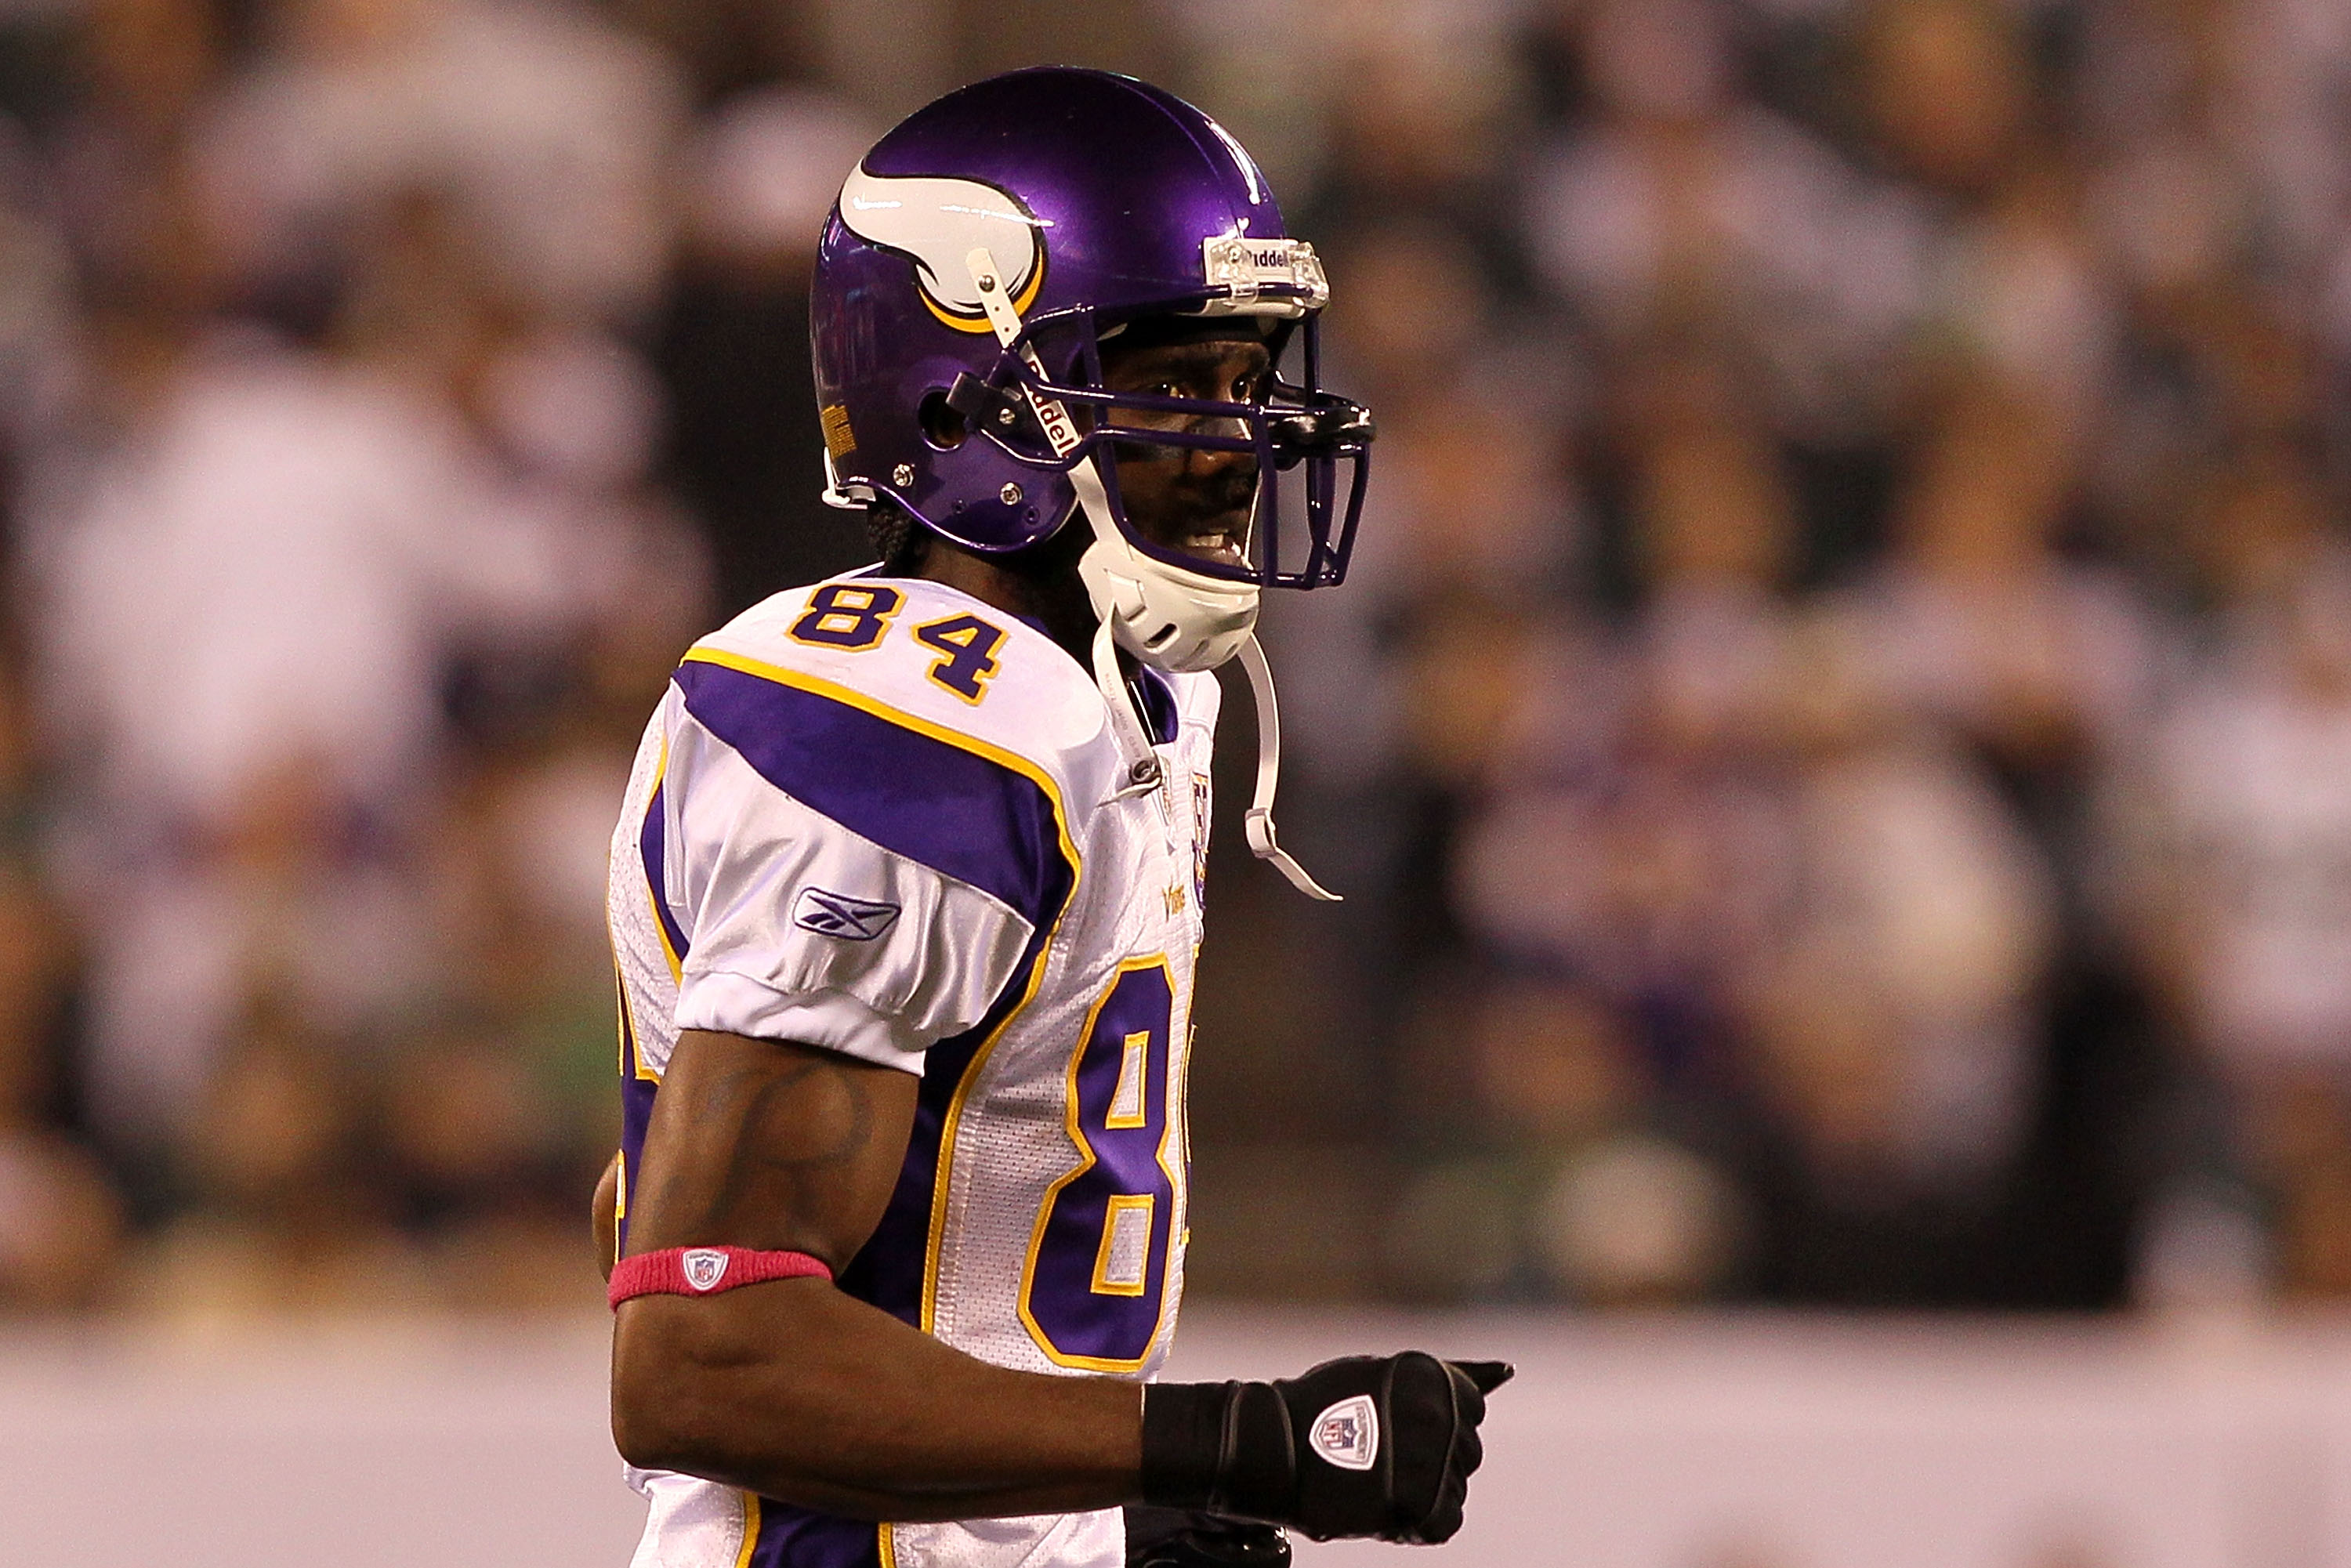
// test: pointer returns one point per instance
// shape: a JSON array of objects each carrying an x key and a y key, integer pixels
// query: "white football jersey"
[{"x": 882, "y": 817}]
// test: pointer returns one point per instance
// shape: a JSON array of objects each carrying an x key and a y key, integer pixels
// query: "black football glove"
[
  {"x": 1182, "y": 1538},
  {"x": 1362, "y": 1446}
]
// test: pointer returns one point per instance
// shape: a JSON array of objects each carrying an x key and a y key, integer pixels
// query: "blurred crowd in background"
[{"x": 1837, "y": 742}]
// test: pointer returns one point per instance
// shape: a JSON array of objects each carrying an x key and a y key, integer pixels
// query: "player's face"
[{"x": 1180, "y": 496}]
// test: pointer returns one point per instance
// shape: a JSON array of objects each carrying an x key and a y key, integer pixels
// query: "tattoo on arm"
[
  {"x": 769, "y": 1143},
  {"x": 777, "y": 1154}
]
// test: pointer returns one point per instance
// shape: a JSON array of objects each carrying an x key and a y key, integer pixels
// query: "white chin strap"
[
  {"x": 1168, "y": 618},
  {"x": 1258, "y": 823}
]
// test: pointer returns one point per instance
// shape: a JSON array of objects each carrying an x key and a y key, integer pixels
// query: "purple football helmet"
[{"x": 977, "y": 257}]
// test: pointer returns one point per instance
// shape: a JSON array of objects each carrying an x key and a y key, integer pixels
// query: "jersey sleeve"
[{"x": 843, "y": 874}]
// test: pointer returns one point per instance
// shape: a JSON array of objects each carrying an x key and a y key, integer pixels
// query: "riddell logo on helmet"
[
  {"x": 1061, "y": 431},
  {"x": 1348, "y": 1433},
  {"x": 1244, "y": 269}
]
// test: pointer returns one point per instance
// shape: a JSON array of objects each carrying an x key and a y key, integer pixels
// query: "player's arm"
[
  {"x": 792, "y": 1388},
  {"x": 796, "y": 1391}
]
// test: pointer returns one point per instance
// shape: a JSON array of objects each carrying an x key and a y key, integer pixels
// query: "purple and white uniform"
[{"x": 880, "y": 817}]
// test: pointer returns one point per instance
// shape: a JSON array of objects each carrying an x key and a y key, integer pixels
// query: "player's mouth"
[{"x": 1221, "y": 545}]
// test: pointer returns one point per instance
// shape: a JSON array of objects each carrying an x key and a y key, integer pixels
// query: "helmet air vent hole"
[
  {"x": 1161, "y": 638},
  {"x": 942, "y": 427}
]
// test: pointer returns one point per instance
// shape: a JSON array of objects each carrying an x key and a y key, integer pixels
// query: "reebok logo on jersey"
[
  {"x": 1348, "y": 1434},
  {"x": 838, "y": 915},
  {"x": 704, "y": 1266}
]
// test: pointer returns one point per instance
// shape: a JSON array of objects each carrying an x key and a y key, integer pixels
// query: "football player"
[{"x": 906, "y": 893}]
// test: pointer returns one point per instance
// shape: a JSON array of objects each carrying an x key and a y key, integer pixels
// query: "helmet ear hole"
[{"x": 942, "y": 427}]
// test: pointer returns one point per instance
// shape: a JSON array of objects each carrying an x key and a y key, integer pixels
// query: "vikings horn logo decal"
[{"x": 938, "y": 222}]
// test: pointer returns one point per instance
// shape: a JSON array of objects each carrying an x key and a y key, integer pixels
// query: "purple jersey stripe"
[
  {"x": 888, "y": 1270},
  {"x": 636, "y": 1114},
  {"x": 652, "y": 846},
  {"x": 963, "y": 814},
  {"x": 796, "y": 1538},
  {"x": 1158, "y": 700}
]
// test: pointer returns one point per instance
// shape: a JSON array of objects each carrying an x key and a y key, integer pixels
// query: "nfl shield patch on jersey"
[
  {"x": 1348, "y": 1434},
  {"x": 838, "y": 915}
]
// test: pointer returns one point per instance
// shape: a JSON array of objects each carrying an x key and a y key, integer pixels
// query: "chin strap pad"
[{"x": 1258, "y": 821}]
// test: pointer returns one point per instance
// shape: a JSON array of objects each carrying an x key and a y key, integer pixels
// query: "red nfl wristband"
[{"x": 706, "y": 1271}]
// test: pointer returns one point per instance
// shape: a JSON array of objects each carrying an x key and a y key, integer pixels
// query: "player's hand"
[
  {"x": 1186, "y": 1538},
  {"x": 1380, "y": 1446}
]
